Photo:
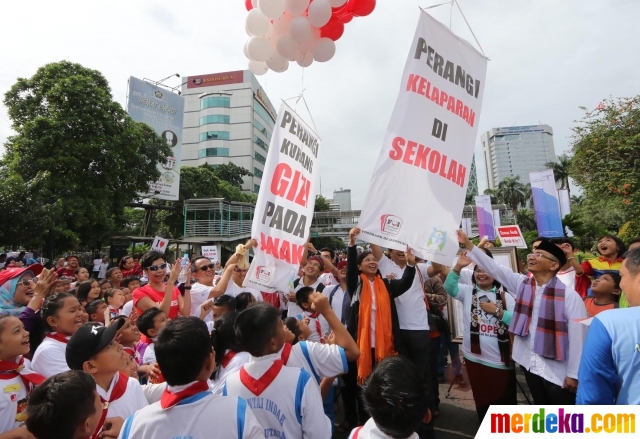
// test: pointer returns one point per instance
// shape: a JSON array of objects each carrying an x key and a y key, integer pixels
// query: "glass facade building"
[
  {"x": 512, "y": 151},
  {"x": 228, "y": 119}
]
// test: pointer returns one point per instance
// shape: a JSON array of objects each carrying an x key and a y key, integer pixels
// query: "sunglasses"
[
  {"x": 238, "y": 270},
  {"x": 25, "y": 280},
  {"x": 207, "y": 267},
  {"x": 157, "y": 267}
]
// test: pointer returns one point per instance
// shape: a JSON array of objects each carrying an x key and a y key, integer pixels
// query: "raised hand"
[
  {"x": 352, "y": 236},
  {"x": 464, "y": 240},
  {"x": 463, "y": 260}
]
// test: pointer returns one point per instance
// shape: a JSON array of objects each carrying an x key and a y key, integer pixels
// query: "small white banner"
[
  {"x": 417, "y": 191},
  {"x": 211, "y": 252},
  {"x": 160, "y": 244},
  {"x": 284, "y": 210},
  {"x": 511, "y": 236}
]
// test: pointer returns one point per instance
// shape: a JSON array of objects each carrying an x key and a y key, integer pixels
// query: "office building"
[
  {"x": 342, "y": 198},
  {"x": 513, "y": 151},
  {"x": 228, "y": 118}
]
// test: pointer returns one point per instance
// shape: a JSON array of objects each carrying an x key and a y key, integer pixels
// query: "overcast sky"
[{"x": 548, "y": 57}]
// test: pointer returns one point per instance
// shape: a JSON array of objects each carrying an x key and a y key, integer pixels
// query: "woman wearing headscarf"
[{"x": 16, "y": 288}]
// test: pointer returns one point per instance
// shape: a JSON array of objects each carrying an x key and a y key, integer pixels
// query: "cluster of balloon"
[{"x": 303, "y": 31}]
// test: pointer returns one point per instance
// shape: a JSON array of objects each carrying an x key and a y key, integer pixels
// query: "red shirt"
[
  {"x": 157, "y": 296},
  {"x": 135, "y": 271},
  {"x": 66, "y": 272}
]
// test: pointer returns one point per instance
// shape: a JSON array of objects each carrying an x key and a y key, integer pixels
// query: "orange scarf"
[{"x": 383, "y": 333}]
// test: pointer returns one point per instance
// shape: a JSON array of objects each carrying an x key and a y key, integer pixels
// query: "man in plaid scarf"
[{"x": 548, "y": 336}]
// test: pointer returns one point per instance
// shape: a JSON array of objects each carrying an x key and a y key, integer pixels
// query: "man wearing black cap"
[
  {"x": 93, "y": 349},
  {"x": 548, "y": 338}
]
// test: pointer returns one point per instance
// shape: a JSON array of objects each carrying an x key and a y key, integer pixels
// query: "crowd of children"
[{"x": 123, "y": 358}]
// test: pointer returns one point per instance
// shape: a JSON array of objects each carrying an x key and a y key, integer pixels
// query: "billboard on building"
[{"x": 163, "y": 111}]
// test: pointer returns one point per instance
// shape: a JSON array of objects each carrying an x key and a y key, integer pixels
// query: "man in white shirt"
[
  {"x": 572, "y": 268},
  {"x": 203, "y": 289},
  {"x": 549, "y": 354},
  {"x": 310, "y": 278},
  {"x": 234, "y": 287}
]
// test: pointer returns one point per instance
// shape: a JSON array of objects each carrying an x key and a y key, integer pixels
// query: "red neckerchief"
[
  {"x": 9, "y": 370},
  {"x": 227, "y": 358},
  {"x": 286, "y": 351},
  {"x": 170, "y": 399},
  {"x": 603, "y": 259},
  {"x": 318, "y": 327},
  {"x": 118, "y": 390},
  {"x": 260, "y": 385},
  {"x": 59, "y": 337},
  {"x": 129, "y": 351}
]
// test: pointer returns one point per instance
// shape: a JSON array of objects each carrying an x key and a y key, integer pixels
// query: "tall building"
[
  {"x": 516, "y": 151},
  {"x": 472, "y": 187},
  {"x": 343, "y": 198},
  {"x": 228, "y": 118}
]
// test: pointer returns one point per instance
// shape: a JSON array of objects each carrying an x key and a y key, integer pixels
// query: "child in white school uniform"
[
  {"x": 61, "y": 316},
  {"x": 285, "y": 400},
  {"x": 318, "y": 325},
  {"x": 187, "y": 406},
  {"x": 150, "y": 323},
  {"x": 230, "y": 356},
  {"x": 94, "y": 349},
  {"x": 395, "y": 398},
  {"x": 16, "y": 377},
  {"x": 324, "y": 361}
]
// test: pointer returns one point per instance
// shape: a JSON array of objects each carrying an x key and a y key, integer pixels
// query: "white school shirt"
[
  {"x": 13, "y": 401},
  {"x": 319, "y": 360},
  {"x": 328, "y": 279},
  {"x": 233, "y": 290},
  {"x": 522, "y": 352},
  {"x": 201, "y": 416},
  {"x": 324, "y": 326},
  {"x": 568, "y": 277},
  {"x": 132, "y": 400},
  {"x": 127, "y": 308},
  {"x": 371, "y": 431},
  {"x": 412, "y": 311},
  {"x": 290, "y": 406},
  {"x": 338, "y": 298},
  {"x": 199, "y": 295},
  {"x": 49, "y": 359},
  {"x": 487, "y": 326},
  {"x": 292, "y": 307},
  {"x": 238, "y": 360},
  {"x": 153, "y": 392},
  {"x": 149, "y": 356}
]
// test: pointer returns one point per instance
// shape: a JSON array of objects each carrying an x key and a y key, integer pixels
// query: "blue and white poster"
[{"x": 546, "y": 205}]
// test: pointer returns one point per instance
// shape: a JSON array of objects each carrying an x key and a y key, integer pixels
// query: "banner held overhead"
[
  {"x": 163, "y": 111},
  {"x": 285, "y": 205},
  {"x": 545, "y": 203},
  {"x": 417, "y": 191}
]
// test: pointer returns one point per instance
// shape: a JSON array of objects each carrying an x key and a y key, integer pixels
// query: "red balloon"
[
  {"x": 333, "y": 29},
  {"x": 346, "y": 18},
  {"x": 362, "y": 8},
  {"x": 248, "y": 5}
]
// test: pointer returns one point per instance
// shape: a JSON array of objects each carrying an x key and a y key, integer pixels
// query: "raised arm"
[
  {"x": 320, "y": 303},
  {"x": 502, "y": 274},
  {"x": 376, "y": 250},
  {"x": 402, "y": 285},
  {"x": 352, "y": 262},
  {"x": 236, "y": 257},
  {"x": 221, "y": 286}
]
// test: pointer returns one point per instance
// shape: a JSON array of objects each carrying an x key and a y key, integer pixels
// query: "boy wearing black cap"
[
  {"x": 548, "y": 336},
  {"x": 93, "y": 349}
]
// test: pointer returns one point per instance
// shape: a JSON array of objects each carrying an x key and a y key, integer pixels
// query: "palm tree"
[
  {"x": 561, "y": 171},
  {"x": 528, "y": 196},
  {"x": 495, "y": 196},
  {"x": 512, "y": 192},
  {"x": 577, "y": 200}
]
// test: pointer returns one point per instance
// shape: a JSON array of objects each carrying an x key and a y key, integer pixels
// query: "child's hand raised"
[{"x": 319, "y": 302}]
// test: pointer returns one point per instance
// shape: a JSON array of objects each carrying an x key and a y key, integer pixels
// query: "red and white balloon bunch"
[{"x": 304, "y": 31}]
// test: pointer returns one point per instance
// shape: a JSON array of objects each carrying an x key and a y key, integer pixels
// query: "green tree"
[
  {"x": 195, "y": 182},
  {"x": 77, "y": 155},
  {"x": 606, "y": 158},
  {"x": 561, "y": 169},
  {"x": 494, "y": 194},
  {"x": 232, "y": 174},
  {"x": 512, "y": 192},
  {"x": 322, "y": 204},
  {"x": 577, "y": 200},
  {"x": 526, "y": 219}
]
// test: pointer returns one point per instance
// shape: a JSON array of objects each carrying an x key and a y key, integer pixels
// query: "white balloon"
[
  {"x": 306, "y": 60},
  {"x": 271, "y": 8},
  {"x": 259, "y": 49},
  {"x": 280, "y": 26},
  {"x": 319, "y": 12},
  {"x": 258, "y": 24},
  {"x": 246, "y": 51},
  {"x": 308, "y": 45},
  {"x": 300, "y": 29},
  {"x": 337, "y": 3},
  {"x": 258, "y": 68},
  {"x": 278, "y": 64},
  {"x": 254, "y": 3},
  {"x": 324, "y": 50},
  {"x": 287, "y": 47},
  {"x": 296, "y": 7}
]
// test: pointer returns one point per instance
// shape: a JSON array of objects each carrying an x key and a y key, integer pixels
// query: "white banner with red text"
[
  {"x": 286, "y": 200},
  {"x": 417, "y": 191}
]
